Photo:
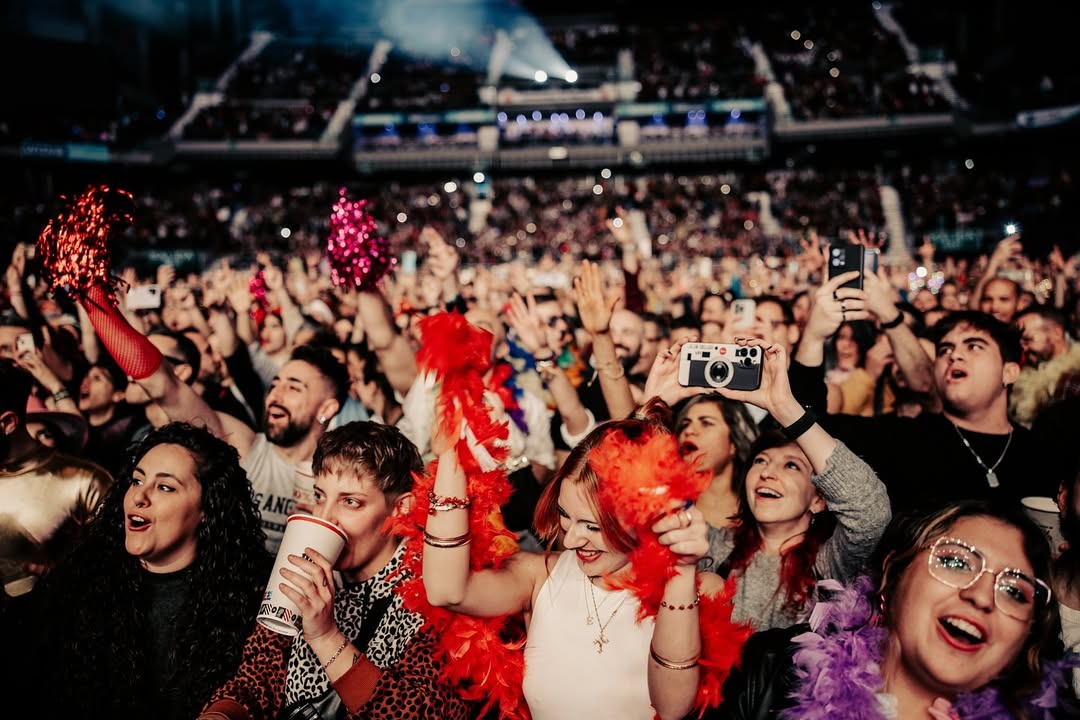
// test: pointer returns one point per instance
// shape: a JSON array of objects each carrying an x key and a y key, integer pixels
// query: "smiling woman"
[
  {"x": 608, "y": 634},
  {"x": 928, "y": 635},
  {"x": 150, "y": 614}
]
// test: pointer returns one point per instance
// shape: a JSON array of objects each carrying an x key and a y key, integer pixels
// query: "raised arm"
[
  {"x": 1006, "y": 249},
  {"x": 676, "y": 645},
  {"x": 396, "y": 356},
  {"x": 530, "y": 335},
  {"x": 595, "y": 312},
  {"x": 908, "y": 353},
  {"x": 144, "y": 364},
  {"x": 448, "y": 579}
]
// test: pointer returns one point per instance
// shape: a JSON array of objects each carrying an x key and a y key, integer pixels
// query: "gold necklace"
[{"x": 601, "y": 639}]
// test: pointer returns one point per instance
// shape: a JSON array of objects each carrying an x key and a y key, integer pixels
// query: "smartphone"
[
  {"x": 742, "y": 313},
  {"x": 639, "y": 230},
  {"x": 1011, "y": 229},
  {"x": 24, "y": 343},
  {"x": 846, "y": 258},
  {"x": 144, "y": 297},
  {"x": 408, "y": 262}
]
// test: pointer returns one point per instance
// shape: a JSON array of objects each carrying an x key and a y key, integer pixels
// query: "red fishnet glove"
[{"x": 133, "y": 352}]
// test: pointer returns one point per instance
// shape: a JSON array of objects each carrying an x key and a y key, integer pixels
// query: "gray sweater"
[{"x": 861, "y": 505}]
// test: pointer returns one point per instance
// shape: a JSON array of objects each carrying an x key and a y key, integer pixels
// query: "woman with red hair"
[
  {"x": 619, "y": 623},
  {"x": 809, "y": 509}
]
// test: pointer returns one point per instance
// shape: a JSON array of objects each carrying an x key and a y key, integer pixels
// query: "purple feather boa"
[{"x": 838, "y": 666}]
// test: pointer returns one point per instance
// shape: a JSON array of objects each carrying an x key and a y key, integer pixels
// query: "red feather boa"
[
  {"x": 478, "y": 654},
  {"x": 639, "y": 482}
]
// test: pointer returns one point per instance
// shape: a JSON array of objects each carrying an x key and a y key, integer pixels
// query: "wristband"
[
  {"x": 895, "y": 322},
  {"x": 795, "y": 430},
  {"x": 61, "y": 395}
]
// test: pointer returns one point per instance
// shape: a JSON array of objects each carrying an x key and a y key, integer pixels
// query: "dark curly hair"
[{"x": 95, "y": 603}]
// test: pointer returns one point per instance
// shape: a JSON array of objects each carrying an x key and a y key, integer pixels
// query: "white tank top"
[{"x": 565, "y": 676}]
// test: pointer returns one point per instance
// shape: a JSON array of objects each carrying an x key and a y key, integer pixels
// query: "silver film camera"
[{"x": 720, "y": 365}]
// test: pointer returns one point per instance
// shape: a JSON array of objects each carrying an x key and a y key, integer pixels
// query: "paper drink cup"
[
  {"x": 304, "y": 488},
  {"x": 277, "y": 612},
  {"x": 1044, "y": 511}
]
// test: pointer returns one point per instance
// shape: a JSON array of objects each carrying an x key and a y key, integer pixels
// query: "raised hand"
[
  {"x": 663, "y": 379},
  {"x": 813, "y": 254},
  {"x": 774, "y": 391},
  {"x": 313, "y": 578},
  {"x": 881, "y": 297},
  {"x": 834, "y": 305},
  {"x": 872, "y": 241},
  {"x": 594, "y": 309},
  {"x": 526, "y": 324}
]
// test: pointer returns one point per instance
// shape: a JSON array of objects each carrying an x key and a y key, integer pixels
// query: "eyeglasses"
[{"x": 954, "y": 563}]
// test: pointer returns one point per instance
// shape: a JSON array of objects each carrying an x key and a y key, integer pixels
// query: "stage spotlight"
[
  {"x": 540, "y": 76},
  {"x": 571, "y": 76}
]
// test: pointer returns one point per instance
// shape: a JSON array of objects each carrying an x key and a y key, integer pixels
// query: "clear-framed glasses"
[{"x": 957, "y": 564}]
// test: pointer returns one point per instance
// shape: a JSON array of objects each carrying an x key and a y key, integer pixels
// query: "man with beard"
[
  {"x": 303, "y": 398},
  {"x": 1051, "y": 364}
]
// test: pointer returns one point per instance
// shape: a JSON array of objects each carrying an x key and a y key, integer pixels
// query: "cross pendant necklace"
[
  {"x": 601, "y": 639},
  {"x": 991, "y": 476}
]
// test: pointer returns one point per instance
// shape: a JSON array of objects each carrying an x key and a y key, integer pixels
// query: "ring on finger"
[
  {"x": 689, "y": 518},
  {"x": 843, "y": 305}
]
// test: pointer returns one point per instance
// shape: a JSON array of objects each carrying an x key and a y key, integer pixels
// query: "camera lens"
[{"x": 718, "y": 374}]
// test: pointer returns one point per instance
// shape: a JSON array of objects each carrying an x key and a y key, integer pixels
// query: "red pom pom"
[
  {"x": 74, "y": 246},
  {"x": 358, "y": 256}
]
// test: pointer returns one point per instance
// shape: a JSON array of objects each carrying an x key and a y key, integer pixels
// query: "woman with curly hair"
[
  {"x": 598, "y": 643},
  {"x": 149, "y": 615},
  {"x": 955, "y": 621}
]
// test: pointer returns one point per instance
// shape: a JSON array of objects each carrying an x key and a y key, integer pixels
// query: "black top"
[
  {"x": 166, "y": 594},
  {"x": 923, "y": 461}
]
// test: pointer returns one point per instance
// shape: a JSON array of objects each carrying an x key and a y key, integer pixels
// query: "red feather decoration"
[
  {"x": 74, "y": 246},
  {"x": 639, "y": 482},
  {"x": 478, "y": 655}
]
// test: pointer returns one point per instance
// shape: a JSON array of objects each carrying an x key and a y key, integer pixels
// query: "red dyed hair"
[
  {"x": 654, "y": 417},
  {"x": 798, "y": 578}
]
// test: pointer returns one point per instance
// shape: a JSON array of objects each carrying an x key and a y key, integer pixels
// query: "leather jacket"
[{"x": 758, "y": 688}]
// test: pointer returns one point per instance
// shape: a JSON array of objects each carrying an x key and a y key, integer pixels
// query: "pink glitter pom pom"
[{"x": 358, "y": 255}]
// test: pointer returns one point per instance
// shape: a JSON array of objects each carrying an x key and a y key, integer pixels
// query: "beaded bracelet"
[
  {"x": 445, "y": 543},
  {"x": 691, "y": 606},
  {"x": 442, "y": 503},
  {"x": 335, "y": 655},
  {"x": 665, "y": 663}
]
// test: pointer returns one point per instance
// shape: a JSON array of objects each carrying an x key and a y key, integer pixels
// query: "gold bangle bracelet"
[
  {"x": 611, "y": 370},
  {"x": 441, "y": 542},
  {"x": 665, "y": 663}
]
